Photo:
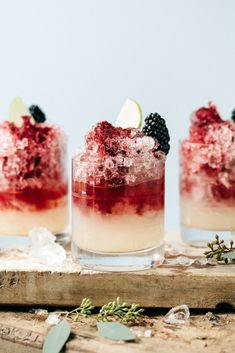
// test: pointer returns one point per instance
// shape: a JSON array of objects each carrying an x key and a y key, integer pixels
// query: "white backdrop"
[{"x": 80, "y": 59}]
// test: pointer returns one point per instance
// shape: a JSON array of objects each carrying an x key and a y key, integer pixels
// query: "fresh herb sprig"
[
  {"x": 112, "y": 311},
  {"x": 220, "y": 251},
  {"x": 84, "y": 310},
  {"x": 119, "y": 311}
]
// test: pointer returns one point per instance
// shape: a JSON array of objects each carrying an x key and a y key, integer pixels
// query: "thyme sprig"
[
  {"x": 218, "y": 249},
  {"x": 112, "y": 311}
]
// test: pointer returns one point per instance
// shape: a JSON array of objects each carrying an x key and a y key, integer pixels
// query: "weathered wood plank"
[
  {"x": 24, "y": 333},
  {"x": 15, "y": 347},
  {"x": 26, "y": 282},
  {"x": 165, "y": 286}
]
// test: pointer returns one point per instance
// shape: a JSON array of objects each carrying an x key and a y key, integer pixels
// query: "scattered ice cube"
[
  {"x": 200, "y": 261},
  {"x": 214, "y": 319},
  {"x": 39, "y": 237},
  {"x": 53, "y": 319},
  {"x": 184, "y": 261},
  {"x": 177, "y": 315},
  {"x": 41, "y": 313},
  {"x": 51, "y": 254},
  {"x": 44, "y": 248},
  {"x": 173, "y": 248}
]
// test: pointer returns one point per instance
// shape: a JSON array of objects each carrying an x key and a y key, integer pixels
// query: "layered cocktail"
[
  {"x": 118, "y": 199},
  {"x": 33, "y": 178},
  {"x": 207, "y": 181}
]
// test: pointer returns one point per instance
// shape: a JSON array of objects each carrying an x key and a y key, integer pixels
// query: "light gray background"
[{"x": 80, "y": 59}]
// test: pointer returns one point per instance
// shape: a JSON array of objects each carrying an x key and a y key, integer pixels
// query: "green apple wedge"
[
  {"x": 130, "y": 115},
  {"x": 17, "y": 109}
]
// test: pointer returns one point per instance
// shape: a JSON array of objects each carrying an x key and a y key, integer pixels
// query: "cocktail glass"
[
  {"x": 121, "y": 226},
  {"x": 33, "y": 181}
]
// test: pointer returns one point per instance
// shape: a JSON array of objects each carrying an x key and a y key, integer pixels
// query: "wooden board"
[
  {"x": 23, "y": 332},
  {"x": 23, "y": 282}
]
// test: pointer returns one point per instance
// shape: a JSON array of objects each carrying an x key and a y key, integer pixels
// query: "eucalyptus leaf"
[
  {"x": 57, "y": 337},
  {"x": 115, "y": 331},
  {"x": 229, "y": 255}
]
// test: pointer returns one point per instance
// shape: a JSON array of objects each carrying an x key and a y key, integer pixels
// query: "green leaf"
[
  {"x": 57, "y": 337},
  {"x": 229, "y": 255},
  {"x": 115, "y": 331}
]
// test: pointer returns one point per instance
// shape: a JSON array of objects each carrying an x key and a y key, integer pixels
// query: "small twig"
[
  {"x": 218, "y": 249},
  {"x": 83, "y": 310}
]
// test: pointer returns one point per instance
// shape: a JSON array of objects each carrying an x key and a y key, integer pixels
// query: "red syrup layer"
[
  {"x": 140, "y": 198},
  {"x": 33, "y": 199},
  {"x": 208, "y": 159}
]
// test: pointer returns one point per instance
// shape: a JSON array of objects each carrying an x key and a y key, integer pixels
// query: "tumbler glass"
[
  {"x": 33, "y": 182},
  {"x": 207, "y": 194},
  {"x": 117, "y": 227}
]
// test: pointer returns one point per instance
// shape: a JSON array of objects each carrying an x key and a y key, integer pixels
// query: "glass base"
[
  {"x": 8, "y": 242},
  {"x": 129, "y": 261},
  {"x": 200, "y": 237}
]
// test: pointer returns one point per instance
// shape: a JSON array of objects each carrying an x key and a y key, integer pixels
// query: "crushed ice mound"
[
  {"x": 208, "y": 158},
  {"x": 114, "y": 156},
  {"x": 44, "y": 248},
  {"x": 177, "y": 315}
]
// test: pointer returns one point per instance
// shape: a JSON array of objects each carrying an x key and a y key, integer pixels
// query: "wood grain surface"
[
  {"x": 23, "y": 282},
  {"x": 22, "y": 332}
]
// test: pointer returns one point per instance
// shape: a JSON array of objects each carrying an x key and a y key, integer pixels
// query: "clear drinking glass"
[
  {"x": 207, "y": 194},
  {"x": 33, "y": 186},
  {"x": 117, "y": 227}
]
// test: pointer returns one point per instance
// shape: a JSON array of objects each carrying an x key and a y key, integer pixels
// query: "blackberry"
[
  {"x": 233, "y": 116},
  {"x": 155, "y": 126},
  {"x": 37, "y": 114}
]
